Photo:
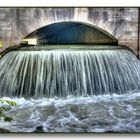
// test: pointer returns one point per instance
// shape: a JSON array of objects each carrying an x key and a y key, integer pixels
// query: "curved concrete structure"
[{"x": 70, "y": 33}]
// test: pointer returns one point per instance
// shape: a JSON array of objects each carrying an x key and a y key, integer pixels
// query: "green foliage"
[
  {"x": 6, "y": 106},
  {"x": 11, "y": 103}
]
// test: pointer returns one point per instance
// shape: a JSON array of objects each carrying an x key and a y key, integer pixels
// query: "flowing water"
[
  {"x": 65, "y": 72},
  {"x": 71, "y": 90},
  {"x": 103, "y": 113}
]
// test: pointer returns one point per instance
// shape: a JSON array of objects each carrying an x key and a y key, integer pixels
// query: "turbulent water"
[
  {"x": 71, "y": 90},
  {"x": 65, "y": 72},
  {"x": 105, "y": 113}
]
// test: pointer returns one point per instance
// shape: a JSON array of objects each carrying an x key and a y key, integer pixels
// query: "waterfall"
[{"x": 68, "y": 72}]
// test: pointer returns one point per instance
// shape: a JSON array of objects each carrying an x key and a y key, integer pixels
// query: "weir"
[{"x": 68, "y": 59}]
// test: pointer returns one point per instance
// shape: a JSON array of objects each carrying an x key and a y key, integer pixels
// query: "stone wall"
[{"x": 16, "y": 23}]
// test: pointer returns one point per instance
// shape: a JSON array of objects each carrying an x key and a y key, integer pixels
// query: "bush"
[{"x": 5, "y": 105}]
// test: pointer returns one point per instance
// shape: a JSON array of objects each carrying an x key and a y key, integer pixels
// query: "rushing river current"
[{"x": 106, "y": 113}]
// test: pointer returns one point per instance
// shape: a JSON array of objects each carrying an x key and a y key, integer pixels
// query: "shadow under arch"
[{"x": 70, "y": 32}]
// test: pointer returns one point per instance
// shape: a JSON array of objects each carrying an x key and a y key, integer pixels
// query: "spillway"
[
  {"x": 71, "y": 77},
  {"x": 35, "y": 73}
]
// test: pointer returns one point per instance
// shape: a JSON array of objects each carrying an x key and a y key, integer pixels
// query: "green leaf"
[
  {"x": 7, "y": 107},
  {"x": 7, "y": 119},
  {"x": 11, "y": 103}
]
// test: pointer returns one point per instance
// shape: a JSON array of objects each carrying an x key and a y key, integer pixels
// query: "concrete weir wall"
[{"x": 16, "y": 23}]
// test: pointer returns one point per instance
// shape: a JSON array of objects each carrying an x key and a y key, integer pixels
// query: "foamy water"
[
  {"x": 105, "y": 113},
  {"x": 62, "y": 73}
]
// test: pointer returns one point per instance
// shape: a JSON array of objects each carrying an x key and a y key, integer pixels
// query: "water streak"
[{"x": 66, "y": 72}]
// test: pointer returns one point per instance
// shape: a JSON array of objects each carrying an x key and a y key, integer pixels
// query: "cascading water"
[
  {"x": 67, "y": 72},
  {"x": 71, "y": 84}
]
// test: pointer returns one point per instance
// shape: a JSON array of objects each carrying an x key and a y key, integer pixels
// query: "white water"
[
  {"x": 105, "y": 113},
  {"x": 97, "y": 90},
  {"x": 62, "y": 73}
]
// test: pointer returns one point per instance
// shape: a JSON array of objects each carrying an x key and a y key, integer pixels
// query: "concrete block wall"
[{"x": 16, "y": 23}]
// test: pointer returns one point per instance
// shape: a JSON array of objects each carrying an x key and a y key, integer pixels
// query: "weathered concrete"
[{"x": 15, "y": 23}]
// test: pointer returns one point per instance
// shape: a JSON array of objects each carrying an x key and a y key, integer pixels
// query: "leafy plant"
[
  {"x": 11, "y": 103},
  {"x": 5, "y": 105}
]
